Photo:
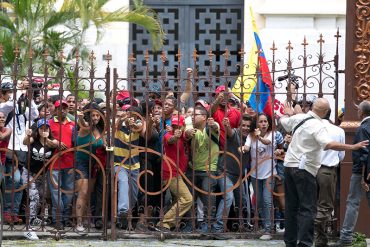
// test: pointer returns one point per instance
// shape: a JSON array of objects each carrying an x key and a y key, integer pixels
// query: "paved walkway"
[
  {"x": 144, "y": 243},
  {"x": 15, "y": 239}
]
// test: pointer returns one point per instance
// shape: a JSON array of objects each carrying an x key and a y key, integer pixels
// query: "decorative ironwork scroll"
[{"x": 362, "y": 50}]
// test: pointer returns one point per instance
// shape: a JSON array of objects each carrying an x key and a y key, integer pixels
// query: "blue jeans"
[
  {"x": 127, "y": 189},
  {"x": 280, "y": 169},
  {"x": 264, "y": 201},
  {"x": 12, "y": 203},
  {"x": 355, "y": 195},
  {"x": 62, "y": 202},
  {"x": 224, "y": 184}
]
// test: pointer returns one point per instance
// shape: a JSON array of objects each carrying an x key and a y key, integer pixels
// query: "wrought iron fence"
[{"x": 81, "y": 169}]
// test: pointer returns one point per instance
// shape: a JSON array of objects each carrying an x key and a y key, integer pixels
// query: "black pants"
[
  {"x": 150, "y": 183},
  {"x": 207, "y": 184},
  {"x": 300, "y": 207},
  {"x": 98, "y": 195}
]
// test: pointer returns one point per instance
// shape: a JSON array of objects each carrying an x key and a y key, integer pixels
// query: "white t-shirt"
[{"x": 263, "y": 155}]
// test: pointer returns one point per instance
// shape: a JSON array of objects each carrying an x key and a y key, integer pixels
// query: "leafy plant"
[
  {"x": 359, "y": 240},
  {"x": 38, "y": 26}
]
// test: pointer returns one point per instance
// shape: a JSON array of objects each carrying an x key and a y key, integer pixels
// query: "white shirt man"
[
  {"x": 332, "y": 158},
  {"x": 326, "y": 183},
  {"x": 309, "y": 140}
]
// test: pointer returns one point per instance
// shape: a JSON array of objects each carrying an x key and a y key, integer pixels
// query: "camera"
[
  {"x": 292, "y": 78},
  {"x": 36, "y": 86},
  {"x": 284, "y": 77}
]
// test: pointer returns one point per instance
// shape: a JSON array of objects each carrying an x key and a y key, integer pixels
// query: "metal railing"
[{"x": 57, "y": 179}]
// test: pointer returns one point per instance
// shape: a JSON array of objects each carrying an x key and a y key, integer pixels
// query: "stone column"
[{"x": 357, "y": 88}]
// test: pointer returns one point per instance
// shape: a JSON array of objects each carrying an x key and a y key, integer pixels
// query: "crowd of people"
[{"x": 171, "y": 154}]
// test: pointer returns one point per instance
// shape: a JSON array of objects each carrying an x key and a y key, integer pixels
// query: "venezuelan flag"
[{"x": 256, "y": 77}]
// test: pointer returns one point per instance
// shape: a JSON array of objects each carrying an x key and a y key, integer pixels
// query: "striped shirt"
[
  {"x": 279, "y": 139},
  {"x": 123, "y": 141}
]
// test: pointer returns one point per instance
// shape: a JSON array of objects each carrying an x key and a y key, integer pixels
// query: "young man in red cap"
[
  {"x": 175, "y": 148},
  {"x": 220, "y": 110},
  {"x": 62, "y": 128}
]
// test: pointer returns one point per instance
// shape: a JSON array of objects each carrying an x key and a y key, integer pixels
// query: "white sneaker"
[
  {"x": 266, "y": 237},
  {"x": 31, "y": 235},
  {"x": 81, "y": 230},
  {"x": 280, "y": 230},
  {"x": 36, "y": 222}
]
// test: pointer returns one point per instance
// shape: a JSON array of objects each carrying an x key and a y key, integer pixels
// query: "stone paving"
[
  {"x": 144, "y": 243},
  {"x": 15, "y": 239}
]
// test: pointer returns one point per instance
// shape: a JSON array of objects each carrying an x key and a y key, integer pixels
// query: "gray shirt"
[{"x": 233, "y": 142}]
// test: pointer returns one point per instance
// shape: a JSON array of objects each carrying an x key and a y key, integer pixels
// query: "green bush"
[{"x": 359, "y": 240}]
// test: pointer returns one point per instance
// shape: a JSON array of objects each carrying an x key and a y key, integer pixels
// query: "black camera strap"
[
  {"x": 213, "y": 138},
  {"x": 9, "y": 117},
  {"x": 17, "y": 117},
  {"x": 300, "y": 124}
]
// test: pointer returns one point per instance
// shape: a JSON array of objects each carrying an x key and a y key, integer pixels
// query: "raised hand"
[
  {"x": 177, "y": 133},
  {"x": 28, "y": 132},
  {"x": 189, "y": 71},
  {"x": 190, "y": 133},
  {"x": 226, "y": 122},
  {"x": 257, "y": 132},
  {"x": 362, "y": 144},
  {"x": 80, "y": 114},
  {"x": 288, "y": 109}
]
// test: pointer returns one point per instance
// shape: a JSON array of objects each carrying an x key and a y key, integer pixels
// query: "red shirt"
[
  {"x": 63, "y": 132},
  {"x": 4, "y": 144},
  {"x": 170, "y": 150},
  {"x": 101, "y": 154},
  {"x": 234, "y": 117}
]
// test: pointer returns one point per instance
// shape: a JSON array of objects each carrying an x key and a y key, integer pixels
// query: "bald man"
[{"x": 302, "y": 162}]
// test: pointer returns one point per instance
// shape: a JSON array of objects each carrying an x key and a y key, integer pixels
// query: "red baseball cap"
[
  {"x": 124, "y": 94},
  {"x": 57, "y": 103},
  {"x": 158, "y": 102},
  {"x": 202, "y": 103},
  {"x": 178, "y": 120},
  {"x": 220, "y": 89},
  {"x": 125, "y": 107}
]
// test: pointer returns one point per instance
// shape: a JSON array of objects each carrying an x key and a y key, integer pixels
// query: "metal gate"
[
  {"x": 192, "y": 25},
  {"x": 112, "y": 182}
]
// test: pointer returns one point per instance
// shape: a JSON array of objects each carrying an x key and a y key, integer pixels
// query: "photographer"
[
  {"x": 292, "y": 86},
  {"x": 25, "y": 111}
]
